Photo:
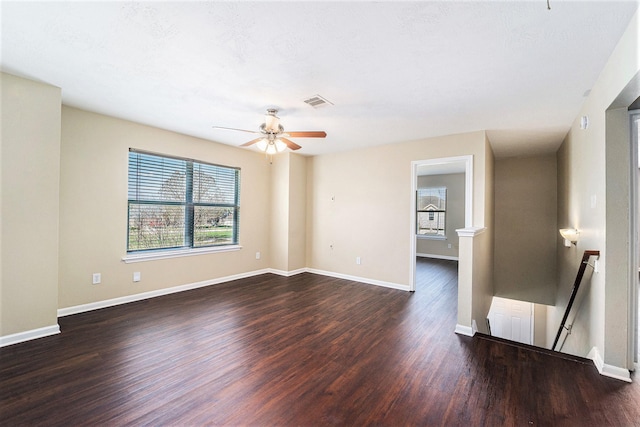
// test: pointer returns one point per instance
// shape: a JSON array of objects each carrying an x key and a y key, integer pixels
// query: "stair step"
[{"x": 534, "y": 348}]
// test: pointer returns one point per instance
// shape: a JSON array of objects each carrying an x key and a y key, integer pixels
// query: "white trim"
[
  {"x": 155, "y": 255},
  {"x": 634, "y": 246},
  {"x": 470, "y": 231},
  {"x": 452, "y": 258},
  {"x": 616, "y": 372},
  {"x": 287, "y": 273},
  {"x": 151, "y": 294},
  {"x": 360, "y": 279},
  {"x": 82, "y": 308},
  {"x": 464, "y": 330},
  {"x": 608, "y": 370},
  {"x": 29, "y": 335},
  {"x": 430, "y": 237}
]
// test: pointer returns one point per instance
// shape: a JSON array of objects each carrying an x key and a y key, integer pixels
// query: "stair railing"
[{"x": 574, "y": 292}]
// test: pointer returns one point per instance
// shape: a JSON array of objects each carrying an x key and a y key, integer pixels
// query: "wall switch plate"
[
  {"x": 449, "y": 246},
  {"x": 97, "y": 278},
  {"x": 136, "y": 276}
]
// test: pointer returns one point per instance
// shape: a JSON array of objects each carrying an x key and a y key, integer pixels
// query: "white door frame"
[
  {"x": 634, "y": 247},
  {"x": 468, "y": 201}
]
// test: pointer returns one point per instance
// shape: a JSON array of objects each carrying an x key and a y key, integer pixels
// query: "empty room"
[{"x": 320, "y": 213}]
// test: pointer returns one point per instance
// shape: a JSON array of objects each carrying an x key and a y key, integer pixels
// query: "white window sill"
[
  {"x": 160, "y": 254},
  {"x": 428, "y": 237}
]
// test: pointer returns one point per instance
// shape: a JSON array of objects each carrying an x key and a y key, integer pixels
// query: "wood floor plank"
[{"x": 301, "y": 350}]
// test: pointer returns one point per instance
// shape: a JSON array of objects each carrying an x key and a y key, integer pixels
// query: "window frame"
[
  {"x": 189, "y": 246},
  {"x": 435, "y": 236}
]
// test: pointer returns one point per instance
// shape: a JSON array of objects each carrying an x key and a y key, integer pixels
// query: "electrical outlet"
[
  {"x": 257, "y": 255},
  {"x": 358, "y": 260},
  {"x": 97, "y": 278},
  {"x": 449, "y": 245},
  {"x": 136, "y": 276}
]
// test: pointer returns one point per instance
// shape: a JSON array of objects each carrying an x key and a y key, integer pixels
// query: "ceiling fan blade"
[
  {"x": 253, "y": 141},
  {"x": 307, "y": 134},
  {"x": 292, "y": 145},
  {"x": 241, "y": 130}
]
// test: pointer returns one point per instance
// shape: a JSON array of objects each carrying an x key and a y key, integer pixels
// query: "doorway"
[{"x": 441, "y": 166}]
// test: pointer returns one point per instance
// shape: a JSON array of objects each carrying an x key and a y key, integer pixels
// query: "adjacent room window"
[
  {"x": 431, "y": 206},
  {"x": 180, "y": 203}
]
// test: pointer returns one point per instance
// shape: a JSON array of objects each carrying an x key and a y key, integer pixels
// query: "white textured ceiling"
[{"x": 396, "y": 71}]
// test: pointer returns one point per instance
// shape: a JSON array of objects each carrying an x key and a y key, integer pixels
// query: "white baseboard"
[
  {"x": 360, "y": 279},
  {"x": 608, "y": 370},
  {"x": 464, "y": 330},
  {"x": 29, "y": 335},
  {"x": 287, "y": 273},
  {"x": 82, "y": 308},
  {"x": 151, "y": 294},
  {"x": 451, "y": 258}
]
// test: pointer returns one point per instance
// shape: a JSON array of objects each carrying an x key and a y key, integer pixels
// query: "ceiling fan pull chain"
[{"x": 548, "y": 5}]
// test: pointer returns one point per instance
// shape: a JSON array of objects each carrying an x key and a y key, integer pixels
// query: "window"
[
  {"x": 431, "y": 206},
  {"x": 180, "y": 203}
]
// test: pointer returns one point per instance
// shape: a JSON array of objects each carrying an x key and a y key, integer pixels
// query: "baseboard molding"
[
  {"x": 450, "y": 258},
  {"x": 151, "y": 294},
  {"x": 608, "y": 370},
  {"x": 360, "y": 279},
  {"x": 82, "y": 308},
  {"x": 464, "y": 330},
  {"x": 287, "y": 273},
  {"x": 29, "y": 335}
]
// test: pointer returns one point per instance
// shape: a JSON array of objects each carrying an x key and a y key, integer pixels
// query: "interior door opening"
[{"x": 439, "y": 167}]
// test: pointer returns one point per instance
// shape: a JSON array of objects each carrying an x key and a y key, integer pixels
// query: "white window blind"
[{"x": 180, "y": 203}]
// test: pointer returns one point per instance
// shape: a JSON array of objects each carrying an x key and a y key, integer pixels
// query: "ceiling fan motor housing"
[{"x": 272, "y": 122}]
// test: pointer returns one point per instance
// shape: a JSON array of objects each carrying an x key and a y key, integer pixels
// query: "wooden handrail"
[{"x": 574, "y": 292}]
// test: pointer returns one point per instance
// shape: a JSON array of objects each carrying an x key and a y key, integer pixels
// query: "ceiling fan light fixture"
[
  {"x": 280, "y": 146},
  {"x": 272, "y": 138},
  {"x": 262, "y": 144},
  {"x": 271, "y": 149}
]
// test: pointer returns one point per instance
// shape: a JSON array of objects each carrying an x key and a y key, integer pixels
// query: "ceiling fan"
[{"x": 273, "y": 139}]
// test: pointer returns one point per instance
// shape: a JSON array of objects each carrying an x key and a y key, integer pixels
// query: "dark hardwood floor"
[{"x": 306, "y": 350}]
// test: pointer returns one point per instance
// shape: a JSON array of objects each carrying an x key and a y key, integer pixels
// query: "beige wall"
[
  {"x": 288, "y": 219},
  {"x": 540, "y": 325},
  {"x": 30, "y": 172},
  {"x": 592, "y": 185},
  {"x": 93, "y": 209},
  {"x": 484, "y": 247},
  {"x": 454, "y": 217},
  {"x": 297, "y": 212},
  {"x": 526, "y": 228},
  {"x": 371, "y": 216},
  {"x": 279, "y": 224}
]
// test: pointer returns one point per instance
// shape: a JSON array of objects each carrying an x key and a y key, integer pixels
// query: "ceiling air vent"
[{"x": 316, "y": 101}]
